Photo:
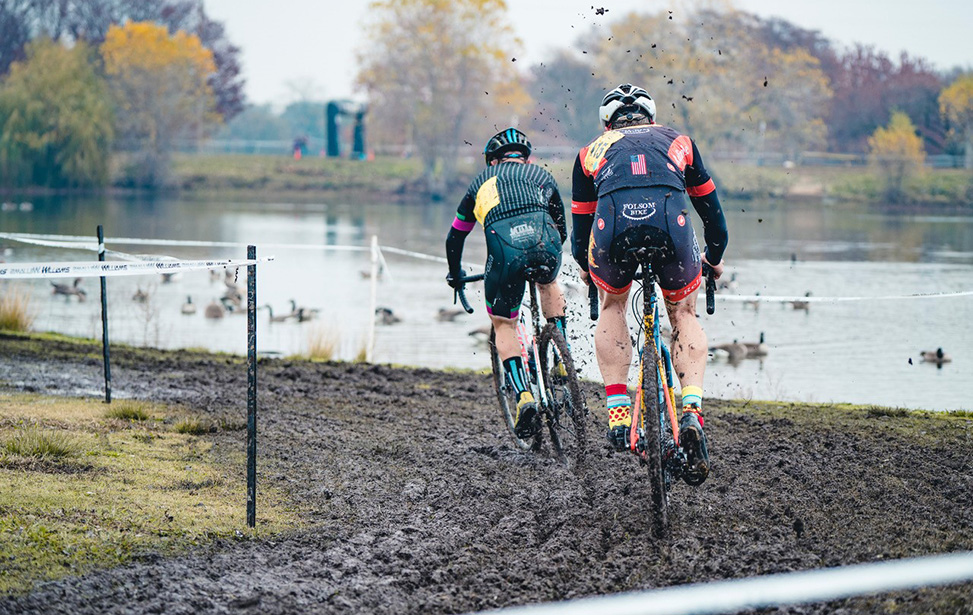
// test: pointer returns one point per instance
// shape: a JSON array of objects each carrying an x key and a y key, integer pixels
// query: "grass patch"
[
  {"x": 195, "y": 426},
  {"x": 15, "y": 311},
  {"x": 128, "y": 410},
  {"x": 323, "y": 343},
  {"x": 79, "y": 493},
  {"x": 30, "y": 441}
]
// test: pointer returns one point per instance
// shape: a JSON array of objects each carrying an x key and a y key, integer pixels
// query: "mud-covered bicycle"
[
  {"x": 551, "y": 375},
  {"x": 654, "y": 438}
]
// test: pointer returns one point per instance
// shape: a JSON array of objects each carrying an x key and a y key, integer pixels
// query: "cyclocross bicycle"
[
  {"x": 552, "y": 378},
  {"x": 655, "y": 438}
]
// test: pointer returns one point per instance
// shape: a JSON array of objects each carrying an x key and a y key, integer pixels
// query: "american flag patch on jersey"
[{"x": 638, "y": 164}]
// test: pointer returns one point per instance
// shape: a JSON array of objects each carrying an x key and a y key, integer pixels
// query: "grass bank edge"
[{"x": 99, "y": 490}]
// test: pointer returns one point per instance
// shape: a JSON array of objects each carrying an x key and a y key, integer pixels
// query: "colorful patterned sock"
[
  {"x": 514, "y": 368},
  {"x": 692, "y": 396},
  {"x": 619, "y": 405}
]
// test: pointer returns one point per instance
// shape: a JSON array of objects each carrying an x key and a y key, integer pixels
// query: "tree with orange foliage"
[
  {"x": 162, "y": 97},
  {"x": 438, "y": 73}
]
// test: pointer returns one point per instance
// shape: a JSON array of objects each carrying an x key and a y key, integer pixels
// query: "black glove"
[{"x": 455, "y": 279}]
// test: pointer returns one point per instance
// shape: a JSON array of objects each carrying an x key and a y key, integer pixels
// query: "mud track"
[{"x": 418, "y": 502}]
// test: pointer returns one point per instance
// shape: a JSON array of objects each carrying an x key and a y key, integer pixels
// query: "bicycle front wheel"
[
  {"x": 507, "y": 398},
  {"x": 652, "y": 416},
  {"x": 567, "y": 411}
]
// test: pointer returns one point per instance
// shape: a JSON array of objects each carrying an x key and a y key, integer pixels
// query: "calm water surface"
[{"x": 842, "y": 351}]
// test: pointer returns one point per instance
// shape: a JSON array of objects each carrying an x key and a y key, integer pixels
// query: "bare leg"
[
  {"x": 506, "y": 337},
  {"x": 613, "y": 346},
  {"x": 552, "y": 299},
  {"x": 688, "y": 342}
]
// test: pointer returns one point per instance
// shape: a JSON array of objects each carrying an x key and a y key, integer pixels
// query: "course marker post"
[
  {"x": 104, "y": 317},
  {"x": 251, "y": 388},
  {"x": 370, "y": 349}
]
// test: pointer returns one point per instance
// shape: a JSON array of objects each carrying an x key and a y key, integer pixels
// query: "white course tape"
[
  {"x": 771, "y": 590},
  {"x": 786, "y": 299},
  {"x": 113, "y": 268}
]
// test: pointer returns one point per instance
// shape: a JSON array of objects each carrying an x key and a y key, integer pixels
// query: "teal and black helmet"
[{"x": 506, "y": 142}]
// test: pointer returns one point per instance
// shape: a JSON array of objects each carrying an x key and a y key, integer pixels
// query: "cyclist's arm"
[
  {"x": 584, "y": 202},
  {"x": 702, "y": 193},
  {"x": 462, "y": 225}
]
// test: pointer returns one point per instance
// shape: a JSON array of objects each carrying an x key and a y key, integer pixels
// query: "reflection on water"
[{"x": 851, "y": 351}]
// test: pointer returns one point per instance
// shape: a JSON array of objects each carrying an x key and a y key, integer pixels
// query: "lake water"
[{"x": 837, "y": 351}]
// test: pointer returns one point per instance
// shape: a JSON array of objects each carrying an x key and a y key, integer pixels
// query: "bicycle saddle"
[
  {"x": 537, "y": 272},
  {"x": 641, "y": 244}
]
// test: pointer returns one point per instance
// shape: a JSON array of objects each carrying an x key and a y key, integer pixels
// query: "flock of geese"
[{"x": 230, "y": 302}]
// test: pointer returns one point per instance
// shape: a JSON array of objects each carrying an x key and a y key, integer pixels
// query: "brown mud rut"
[{"x": 418, "y": 501}]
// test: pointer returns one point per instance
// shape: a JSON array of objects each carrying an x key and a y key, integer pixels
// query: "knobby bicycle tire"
[
  {"x": 651, "y": 416},
  {"x": 567, "y": 411},
  {"x": 507, "y": 399}
]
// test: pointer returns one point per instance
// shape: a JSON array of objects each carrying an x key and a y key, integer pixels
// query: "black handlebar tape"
[
  {"x": 460, "y": 292},
  {"x": 593, "y": 299},
  {"x": 710, "y": 289}
]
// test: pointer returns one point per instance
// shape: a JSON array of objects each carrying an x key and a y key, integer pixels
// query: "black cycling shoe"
[
  {"x": 618, "y": 437},
  {"x": 692, "y": 441},
  {"x": 526, "y": 426}
]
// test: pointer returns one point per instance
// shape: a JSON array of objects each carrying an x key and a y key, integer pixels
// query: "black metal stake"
[
  {"x": 251, "y": 388},
  {"x": 104, "y": 316}
]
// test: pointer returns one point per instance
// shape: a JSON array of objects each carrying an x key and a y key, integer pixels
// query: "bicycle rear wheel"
[
  {"x": 652, "y": 417},
  {"x": 566, "y": 409},
  {"x": 507, "y": 398}
]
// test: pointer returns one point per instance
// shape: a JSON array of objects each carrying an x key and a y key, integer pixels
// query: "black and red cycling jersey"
[
  {"x": 650, "y": 155},
  {"x": 643, "y": 156}
]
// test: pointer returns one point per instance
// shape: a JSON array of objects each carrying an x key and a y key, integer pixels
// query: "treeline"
[
  {"x": 87, "y": 86},
  {"x": 101, "y": 87},
  {"x": 445, "y": 79}
]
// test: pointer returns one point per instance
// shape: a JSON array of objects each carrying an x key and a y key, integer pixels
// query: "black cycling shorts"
[
  {"x": 515, "y": 245},
  {"x": 617, "y": 218}
]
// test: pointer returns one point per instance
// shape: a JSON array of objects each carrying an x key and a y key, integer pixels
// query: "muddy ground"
[{"x": 418, "y": 502}]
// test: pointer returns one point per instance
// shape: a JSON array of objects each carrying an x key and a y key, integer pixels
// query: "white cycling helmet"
[{"x": 626, "y": 98}]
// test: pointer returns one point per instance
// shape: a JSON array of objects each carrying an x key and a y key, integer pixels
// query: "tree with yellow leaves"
[
  {"x": 898, "y": 153},
  {"x": 956, "y": 105},
  {"x": 439, "y": 76},
  {"x": 159, "y": 85}
]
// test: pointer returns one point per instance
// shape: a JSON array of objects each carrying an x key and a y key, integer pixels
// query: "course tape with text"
[{"x": 112, "y": 268}]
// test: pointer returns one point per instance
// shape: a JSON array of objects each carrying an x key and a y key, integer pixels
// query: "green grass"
[{"x": 80, "y": 491}]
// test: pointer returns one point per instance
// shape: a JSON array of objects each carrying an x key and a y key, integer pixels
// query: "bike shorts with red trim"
[{"x": 618, "y": 217}]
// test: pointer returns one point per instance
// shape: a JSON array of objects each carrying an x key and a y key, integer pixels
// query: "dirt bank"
[{"x": 419, "y": 503}]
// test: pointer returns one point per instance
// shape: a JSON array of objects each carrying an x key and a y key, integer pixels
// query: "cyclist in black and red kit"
[
  {"x": 522, "y": 214},
  {"x": 632, "y": 178}
]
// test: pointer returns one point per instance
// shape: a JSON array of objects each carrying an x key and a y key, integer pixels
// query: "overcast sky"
[{"x": 307, "y": 47}]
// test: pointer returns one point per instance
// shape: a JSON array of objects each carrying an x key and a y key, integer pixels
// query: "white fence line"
[{"x": 773, "y": 590}]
